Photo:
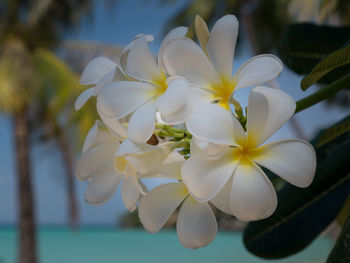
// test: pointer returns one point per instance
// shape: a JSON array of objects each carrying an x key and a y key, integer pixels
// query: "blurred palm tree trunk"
[
  {"x": 68, "y": 163},
  {"x": 27, "y": 228}
]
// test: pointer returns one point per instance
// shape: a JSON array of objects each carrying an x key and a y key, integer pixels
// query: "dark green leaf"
[
  {"x": 302, "y": 214},
  {"x": 341, "y": 251},
  {"x": 335, "y": 60},
  {"x": 303, "y": 45}
]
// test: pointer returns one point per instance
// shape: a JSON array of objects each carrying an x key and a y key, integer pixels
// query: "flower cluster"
[{"x": 175, "y": 116}]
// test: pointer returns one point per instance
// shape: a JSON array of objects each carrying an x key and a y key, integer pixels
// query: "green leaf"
[
  {"x": 302, "y": 214},
  {"x": 341, "y": 250},
  {"x": 334, "y": 132},
  {"x": 344, "y": 213},
  {"x": 335, "y": 60},
  {"x": 303, "y": 45}
]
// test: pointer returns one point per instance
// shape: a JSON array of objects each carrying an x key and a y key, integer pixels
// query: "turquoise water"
[{"x": 60, "y": 245}]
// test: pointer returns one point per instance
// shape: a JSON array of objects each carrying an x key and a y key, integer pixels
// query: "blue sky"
[{"x": 118, "y": 25}]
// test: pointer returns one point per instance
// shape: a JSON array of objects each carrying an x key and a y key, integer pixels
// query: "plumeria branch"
[{"x": 322, "y": 94}]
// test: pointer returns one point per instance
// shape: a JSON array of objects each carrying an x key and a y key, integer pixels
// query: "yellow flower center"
[
  {"x": 246, "y": 153},
  {"x": 120, "y": 164},
  {"x": 222, "y": 91},
  {"x": 161, "y": 85}
]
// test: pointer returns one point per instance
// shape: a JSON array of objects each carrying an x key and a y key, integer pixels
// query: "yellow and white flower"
[
  {"x": 196, "y": 223},
  {"x": 105, "y": 162},
  {"x": 233, "y": 181},
  {"x": 209, "y": 69},
  {"x": 151, "y": 91}
]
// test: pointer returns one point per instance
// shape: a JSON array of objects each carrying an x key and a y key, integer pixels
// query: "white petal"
[
  {"x": 185, "y": 58},
  {"x": 98, "y": 134},
  {"x": 158, "y": 205},
  {"x": 210, "y": 149},
  {"x": 114, "y": 125},
  {"x": 198, "y": 96},
  {"x": 120, "y": 98},
  {"x": 178, "y": 117},
  {"x": 293, "y": 160},
  {"x": 258, "y": 70},
  {"x": 170, "y": 168},
  {"x": 212, "y": 123},
  {"x": 96, "y": 69},
  {"x": 96, "y": 160},
  {"x": 115, "y": 75},
  {"x": 221, "y": 44},
  {"x": 128, "y": 147},
  {"x": 131, "y": 192},
  {"x": 149, "y": 159},
  {"x": 83, "y": 98},
  {"x": 177, "y": 32},
  {"x": 175, "y": 97},
  {"x": 205, "y": 177},
  {"x": 202, "y": 31},
  {"x": 222, "y": 199},
  {"x": 102, "y": 186},
  {"x": 196, "y": 224},
  {"x": 142, "y": 122},
  {"x": 252, "y": 196},
  {"x": 90, "y": 137},
  {"x": 125, "y": 52},
  {"x": 141, "y": 64},
  {"x": 268, "y": 110}
]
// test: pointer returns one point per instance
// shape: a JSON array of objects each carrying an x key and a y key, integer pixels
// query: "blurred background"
[{"x": 44, "y": 46}]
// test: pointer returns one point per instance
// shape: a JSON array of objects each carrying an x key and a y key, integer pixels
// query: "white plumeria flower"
[
  {"x": 105, "y": 169},
  {"x": 209, "y": 70},
  {"x": 151, "y": 93},
  {"x": 99, "y": 72},
  {"x": 196, "y": 223},
  {"x": 234, "y": 182}
]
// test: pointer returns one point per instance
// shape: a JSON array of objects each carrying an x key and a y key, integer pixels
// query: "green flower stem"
[
  {"x": 324, "y": 93},
  {"x": 179, "y": 144}
]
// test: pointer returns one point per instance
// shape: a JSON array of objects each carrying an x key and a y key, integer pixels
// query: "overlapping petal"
[
  {"x": 142, "y": 122},
  {"x": 96, "y": 160},
  {"x": 293, "y": 160},
  {"x": 131, "y": 191},
  {"x": 252, "y": 194},
  {"x": 102, "y": 186},
  {"x": 175, "y": 97},
  {"x": 212, "y": 123},
  {"x": 205, "y": 177},
  {"x": 221, "y": 44},
  {"x": 158, "y": 205},
  {"x": 96, "y": 69},
  {"x": 96, "y": 136},
  {"x": 83, "y": 98},
  {"x": 141, "y": 64},
  {"x": 185, "y": 58},
  {"x": 120, "y": 98},
  {"x": 196, "y": 224},
  {"x": 268, "y": 110},
  {"x": 125, "y": 52},
  {"x": 210, "y": 149},
  {"x": 170, "y": 168},
  {"x": 114, "y": 125},
  {"x": 258, "y": 70},
  {"x": 149, "y": 158},
  {"x": 222, "y": 199},
  {"x": 178, "y": 32}
]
